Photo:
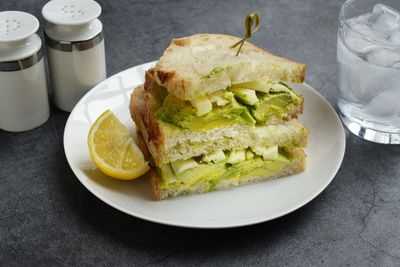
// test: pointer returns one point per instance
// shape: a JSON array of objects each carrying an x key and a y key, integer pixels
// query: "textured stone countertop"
[{"x": 49, "y": 218}]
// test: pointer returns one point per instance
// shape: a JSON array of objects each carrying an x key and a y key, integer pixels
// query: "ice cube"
[
  {"x": 359, "y": 44},
  {"x": 344, "y": 55},
  {"x": 395, "y": 38},
  {"x": 387, "y": 11},
  {"x": 356, "y": 38},
  {"x": 396, "y": 65},
  {"x": 384, "y": 18},
  {"x": 361, "y": 80},
  {"x": 362, "y": 19},
  {"x": 383, "y": 57},
  {"x": 385, "y": 105},
  {"x": 358, "y": 79},
  {"x": 371, "y": 80}
]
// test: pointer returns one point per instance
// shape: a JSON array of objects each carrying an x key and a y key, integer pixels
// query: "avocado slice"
[
  {"x": 181, "y": 113},
  {"x": 214, "y": 173},
  {"x": 273, "y": 106},
  {"x": 221, "y": 108},
  {"x": 246, "y": 96},
  {"x": 258, "y": 86}
]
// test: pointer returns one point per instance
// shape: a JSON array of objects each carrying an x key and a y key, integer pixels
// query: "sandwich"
[{"x": 214, "y": 120}]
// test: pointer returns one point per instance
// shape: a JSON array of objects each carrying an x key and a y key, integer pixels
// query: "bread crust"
[
  {"x": 169, "y": 75},
  {"x": 146, "y": 125},
  {"x": 151, "y": 105},
  {"x": 155, "y": 181}
]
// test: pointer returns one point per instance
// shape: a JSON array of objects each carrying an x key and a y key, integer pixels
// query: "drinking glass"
[{"x": 368, "y": 55}]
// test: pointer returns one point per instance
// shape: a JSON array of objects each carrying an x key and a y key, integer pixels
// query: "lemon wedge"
[{"x": 113, "y": 150}]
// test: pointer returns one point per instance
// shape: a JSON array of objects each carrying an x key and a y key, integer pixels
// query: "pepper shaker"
[
  {"x": 75, "y": 43},
  {"x": 23, "y": 90}
]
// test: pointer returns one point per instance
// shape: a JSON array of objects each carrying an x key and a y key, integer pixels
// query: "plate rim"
[{"x": 202, "y": 226}]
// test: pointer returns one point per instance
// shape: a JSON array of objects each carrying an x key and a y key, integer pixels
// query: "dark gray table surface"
[{"x": 49, "y": 218}]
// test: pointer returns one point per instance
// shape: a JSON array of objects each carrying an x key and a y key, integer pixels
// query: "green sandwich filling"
[
  {"x": 251, "y": 103},
  {"x": 273, "y": 106},
  {"x": 181, "y": 113},
  {"x": 235, "y": 166}
]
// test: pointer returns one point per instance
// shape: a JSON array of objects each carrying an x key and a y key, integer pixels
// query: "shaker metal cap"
[
  {"x": 18, "y": 40},
  {"x": 71, "y": 12}
]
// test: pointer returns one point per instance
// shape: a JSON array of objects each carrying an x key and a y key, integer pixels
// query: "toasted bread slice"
[
  {"x": 204, "y": 63},
  {"x": 168, "y": 143},
  {"x": 161, "y": 191}
]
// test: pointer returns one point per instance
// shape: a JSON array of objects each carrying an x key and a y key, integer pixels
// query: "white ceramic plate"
[{"x": 241, "y": 206}]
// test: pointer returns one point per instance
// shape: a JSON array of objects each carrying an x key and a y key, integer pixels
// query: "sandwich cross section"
[{"x": 213, "y": 121}]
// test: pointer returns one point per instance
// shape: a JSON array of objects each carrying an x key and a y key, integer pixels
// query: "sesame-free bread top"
[{"x": 200, "y": 64}]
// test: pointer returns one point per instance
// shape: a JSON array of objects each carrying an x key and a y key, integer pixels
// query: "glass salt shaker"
[
  {"x": 23, "y": 90},
  {"x": 75, "y": 43}
]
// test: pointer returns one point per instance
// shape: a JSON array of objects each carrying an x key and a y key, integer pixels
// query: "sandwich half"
[{"x": 213, "y": 121}]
